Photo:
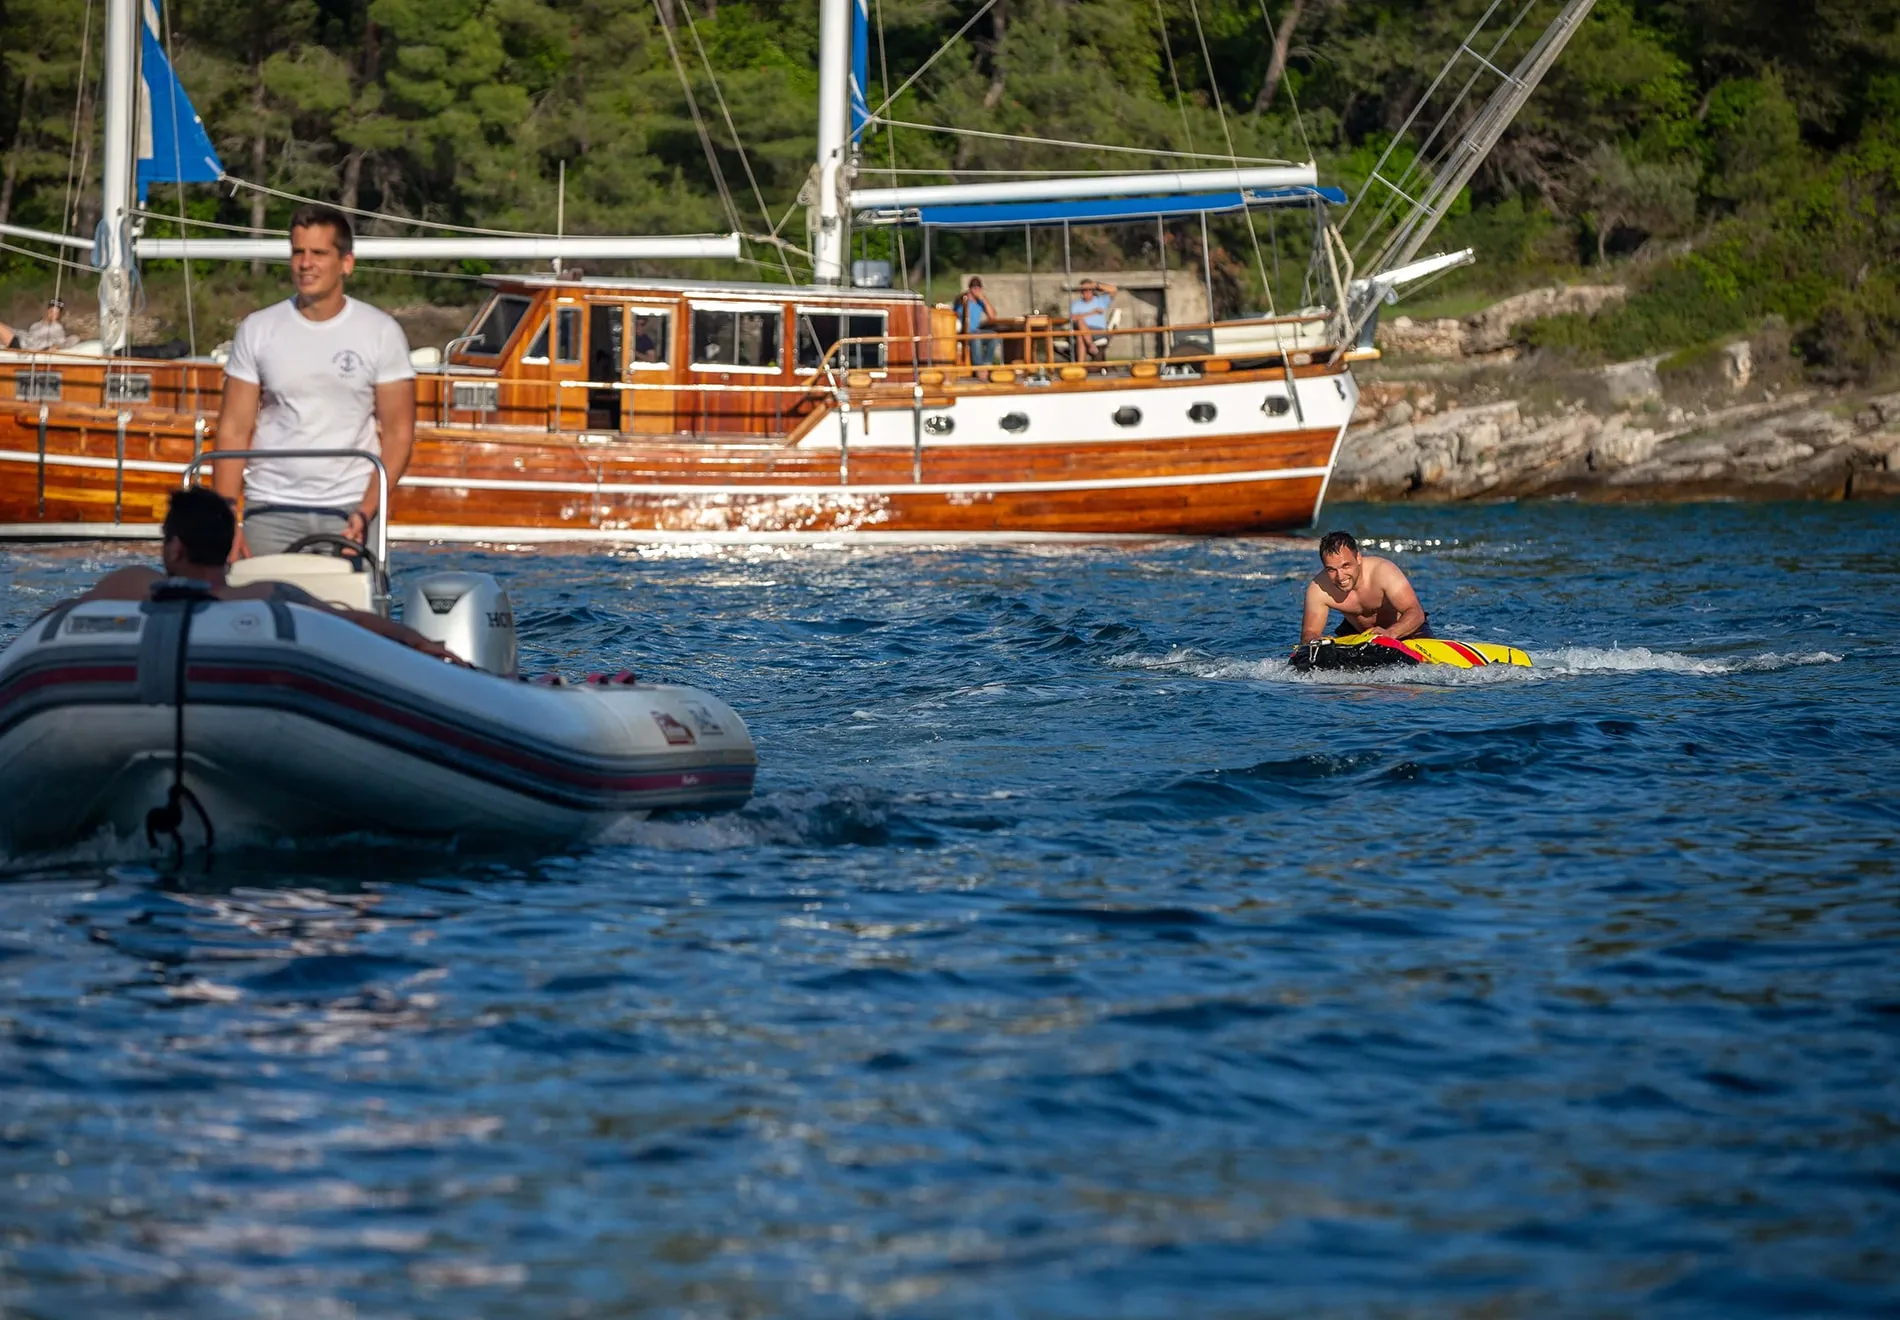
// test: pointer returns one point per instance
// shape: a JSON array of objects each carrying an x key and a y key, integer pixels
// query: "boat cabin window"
[
  {"x": 496, "y": 323},
  {"x": 538, "y": 346},
  {"x": 724, "y": 339},
  {"x": 819, "y": 330},
  {"x": 652, "y": 340},
  {"x": 567, "y": 335}
]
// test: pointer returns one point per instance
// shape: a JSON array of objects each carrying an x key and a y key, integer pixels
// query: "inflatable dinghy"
[
  {"x": 262, "y": 720},
  {"x": 1359, "y": 651}
]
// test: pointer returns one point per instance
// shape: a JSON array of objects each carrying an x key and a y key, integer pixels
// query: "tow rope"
[{"x": 168, "y": 819}]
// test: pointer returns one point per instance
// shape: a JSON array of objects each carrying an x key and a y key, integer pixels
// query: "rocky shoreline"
[{"x": 1459, "y": 412}]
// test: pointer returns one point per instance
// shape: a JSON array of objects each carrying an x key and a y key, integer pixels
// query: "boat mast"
[
  {"x": 112, "y": 242},
  {"x": 834, "y": 138}
]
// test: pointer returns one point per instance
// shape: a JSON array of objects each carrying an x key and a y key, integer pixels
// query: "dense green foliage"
[{"x": 1732, "y": 159}]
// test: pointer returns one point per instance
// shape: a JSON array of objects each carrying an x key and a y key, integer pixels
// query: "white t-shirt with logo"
[{"x": 318, "y": 381}]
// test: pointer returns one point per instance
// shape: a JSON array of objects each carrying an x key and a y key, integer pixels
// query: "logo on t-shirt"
[{"x": 348, "y": 362}]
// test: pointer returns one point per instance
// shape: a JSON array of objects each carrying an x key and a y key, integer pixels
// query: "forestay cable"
[
  {"x": 66, "y": 214},
  {"x": 1220, "y": 107},
  {"x": 699, "y": 120},
  {"x": 732, "y": 130}
]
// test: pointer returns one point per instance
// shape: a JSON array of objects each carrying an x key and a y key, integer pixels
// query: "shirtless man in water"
[{"x": 1371, "y": 593}]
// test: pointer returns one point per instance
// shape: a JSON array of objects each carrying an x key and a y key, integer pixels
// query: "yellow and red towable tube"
[{"x": 1369, "y": 651}]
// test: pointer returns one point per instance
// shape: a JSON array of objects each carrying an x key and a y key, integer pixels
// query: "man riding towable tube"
[{"x": 1371, "y": 594}]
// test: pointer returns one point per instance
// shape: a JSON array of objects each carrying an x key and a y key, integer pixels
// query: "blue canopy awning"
[{"x": 1107, "y": 210}]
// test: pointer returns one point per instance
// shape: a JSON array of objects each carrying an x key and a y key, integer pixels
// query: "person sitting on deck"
[
  {"x": 44, "y": 335},
  {"x": 973, "y": 313},
  {"x": 1089, "y": 315},
  {"x": 1371, "y": 594},
  {"x": 198, "y": 530}
]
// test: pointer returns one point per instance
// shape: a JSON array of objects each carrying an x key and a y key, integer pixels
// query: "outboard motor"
[{"x": 467, "y": 612}]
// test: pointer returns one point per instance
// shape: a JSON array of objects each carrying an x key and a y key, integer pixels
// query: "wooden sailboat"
[{"x": 630, "y": 409}]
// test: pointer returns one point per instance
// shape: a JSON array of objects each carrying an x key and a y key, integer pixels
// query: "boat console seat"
[{"x": 336, "y": 581}]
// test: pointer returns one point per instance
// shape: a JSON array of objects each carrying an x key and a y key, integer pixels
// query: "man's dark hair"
[
  {"x": 316, "y": 213},
  {"x": 203, "y": 523},
  {"x": 1333, "y": 542}
]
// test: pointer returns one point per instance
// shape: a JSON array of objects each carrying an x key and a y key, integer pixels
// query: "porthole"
[
  {"x": 1277, "y": 405},
  {"x": 938, "y": 424},
  {"x": 1128, "y": 417},
  {"x": 1015, "y": 423},
  {"x": 1201, "y": 412}
]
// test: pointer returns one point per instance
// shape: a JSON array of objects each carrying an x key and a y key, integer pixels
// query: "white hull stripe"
[
  {"x": 86, "y": 461},
  {"x": 508, "y": 536},
  {"x": 677, "y": 490}
]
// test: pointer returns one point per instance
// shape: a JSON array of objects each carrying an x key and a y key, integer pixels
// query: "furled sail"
[{"x": 173, "y": 145}]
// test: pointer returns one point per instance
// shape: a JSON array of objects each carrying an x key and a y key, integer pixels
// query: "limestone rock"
[
  {"x": 1491, "y": 329},
  {"x": 1633, "y": 382}
]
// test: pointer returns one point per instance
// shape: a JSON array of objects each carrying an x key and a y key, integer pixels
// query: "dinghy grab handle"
[{"x": 253, "y": 455}]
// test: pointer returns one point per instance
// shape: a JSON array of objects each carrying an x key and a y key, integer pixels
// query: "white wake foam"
[
  {"x": 1563, "y": 662},
  {"x": 1640, "y": 659}
]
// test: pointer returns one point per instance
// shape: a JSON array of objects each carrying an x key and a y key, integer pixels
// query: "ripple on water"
[{"x": 1075, "y": 957}]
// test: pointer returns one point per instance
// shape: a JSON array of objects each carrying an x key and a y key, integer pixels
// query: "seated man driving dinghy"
[
  {"x": 199, "y": 528},
  {"x": 1370, "y": 593}
]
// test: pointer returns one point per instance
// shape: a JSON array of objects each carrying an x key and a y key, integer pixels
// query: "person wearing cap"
[
  {"x": 1089, "y": 315},
  {"x": 973, "y": 313},
  {"x": 320, "y": 370},
  {"x": 47, "y": 333}
]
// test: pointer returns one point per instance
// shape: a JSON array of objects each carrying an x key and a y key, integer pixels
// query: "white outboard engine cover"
[{"x": 467, "y": 612}]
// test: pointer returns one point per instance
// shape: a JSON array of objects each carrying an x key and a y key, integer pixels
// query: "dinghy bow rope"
[{"x": 168, "y": 820}]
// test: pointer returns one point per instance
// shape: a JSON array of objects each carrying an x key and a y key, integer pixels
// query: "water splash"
[
  {"x": 1562, "y": 662},
  {"x": 1569, "y": 660}
]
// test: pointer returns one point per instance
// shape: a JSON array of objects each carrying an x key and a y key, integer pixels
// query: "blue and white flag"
[{"x": 173, "y": 145}]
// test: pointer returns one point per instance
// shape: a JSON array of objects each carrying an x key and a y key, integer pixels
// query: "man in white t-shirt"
[{"x": 319, "y": 371}]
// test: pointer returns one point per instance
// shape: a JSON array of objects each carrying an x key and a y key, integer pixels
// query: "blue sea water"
[{"x": 1073, "y": 959}]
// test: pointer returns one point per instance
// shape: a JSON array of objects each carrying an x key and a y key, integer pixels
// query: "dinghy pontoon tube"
[{"x": 297, "y": 724}]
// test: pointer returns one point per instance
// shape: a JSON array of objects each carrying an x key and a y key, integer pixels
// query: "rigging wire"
[
  {"x": 1085, "y": 146},
  {"x": 63, "y": 263},
  {"x": 66, "y": 213},
  {"x": 952, "y": 171},
  {"x": 1424, "y": 162},
  {"x": 141, "y": 213},
  {"x": 877, "y": 116},
  {"x": 1167, "y": 47},
  {"x": 1220, "y": 107},
  {"x": 773, "y": 235},
  {"x": 733, "y": 131},
  {"x": 413, "y": 222},
  {"x": 890, "y": 139},
  {"x": 699, "y": 121},
  {"x": 178, "y": 167},
  {"x": 1299, "y": 121}
]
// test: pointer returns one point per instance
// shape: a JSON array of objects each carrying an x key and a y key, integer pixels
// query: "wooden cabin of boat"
[
  {"x": 742, "y": 361},
  {"x": 692, "y": 360}
]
